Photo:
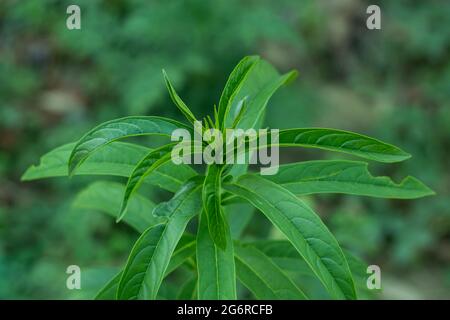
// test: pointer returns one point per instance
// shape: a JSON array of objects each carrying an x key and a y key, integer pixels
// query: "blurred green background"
[{"x": 393, "y": 84}]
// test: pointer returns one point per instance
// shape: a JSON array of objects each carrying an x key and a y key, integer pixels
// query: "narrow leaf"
[
  {"x": 350, "y": 177},
  {"x": 342, "y": 141},
  {"x": 116, "y": 159},
  {"x": 212, "y": 200},
  {"x": 303, "y": 228},
  {"x": 233, "y": 85},
  {"x": 150, "y": 256},
  {"x": 240, "y": 114},
  {"x": 118, "y": 129},
  {"x": 178, "y": 101},
  {"x": 255, "y": 110},
  {"x": 260, "y": 84},
  {"x": 262, "y": 277},
  {"x": 215, "y": 267}
]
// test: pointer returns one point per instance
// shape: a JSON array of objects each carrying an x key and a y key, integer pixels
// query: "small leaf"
[
  {"x": 215, "y": 267},
  {"x": 150, "y": 256},
  {"x": 233, "y": 85},
  {"x": 210, "y": 122},
  {"x": 212, "y": 200},
  {"x": 216, "y": 117},
  {"x": 350, "y": 177},
  {"x": 239, "y": 116},
  {"x": 261, "y": 82},
  {"x": 118, "y": 129},
  {"x": 178, "y": 101},
  {"x": 304, "y": 230},
  {"x": 147, "y": 165},
  {"x": 262, "y": 277}
]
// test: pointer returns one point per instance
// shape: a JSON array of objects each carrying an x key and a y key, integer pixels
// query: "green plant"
[{"x": 214, "y": 258}]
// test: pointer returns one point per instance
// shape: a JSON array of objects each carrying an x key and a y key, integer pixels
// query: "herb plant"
[{"x": 215, "y": 255}]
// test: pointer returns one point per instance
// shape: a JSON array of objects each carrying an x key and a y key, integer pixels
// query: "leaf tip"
[
  {"x": 25, "y": 176},
  {"x": 121, "y": 212},
  {"x": 71, "y": 171},
  {"x": 291, "y": 76}
]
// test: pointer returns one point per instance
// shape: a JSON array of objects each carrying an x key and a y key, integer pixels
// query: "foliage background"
[{"x": 55, "y": 84}]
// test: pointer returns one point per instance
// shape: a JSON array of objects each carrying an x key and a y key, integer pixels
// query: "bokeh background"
[{"x": 393, "y": 84}]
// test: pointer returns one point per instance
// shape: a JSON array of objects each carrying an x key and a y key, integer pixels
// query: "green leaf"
[
  {"x": 146, "y": 166},
  {"x": 215, "y": 267},
  {"x": 116, "y": 159},
  {"x": 108, "y": 292},
  {"x": 105, "y": 197},
  {"x": 303, "y": 228},
  {"x": 262, "y": 277},
  {"x": 260, "y": 84},
  {"x": 178, "y": 101},
  {"x": 349, "y": 177},
  {"x": 342, "y": 141},
  {"x": 212, "y": 200},
  {"x": 150, "y": 256},
  {"x": 234, "y": 84},
  {"x": 239, "y": 116},
  {"x": 118, "y": 129}
]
